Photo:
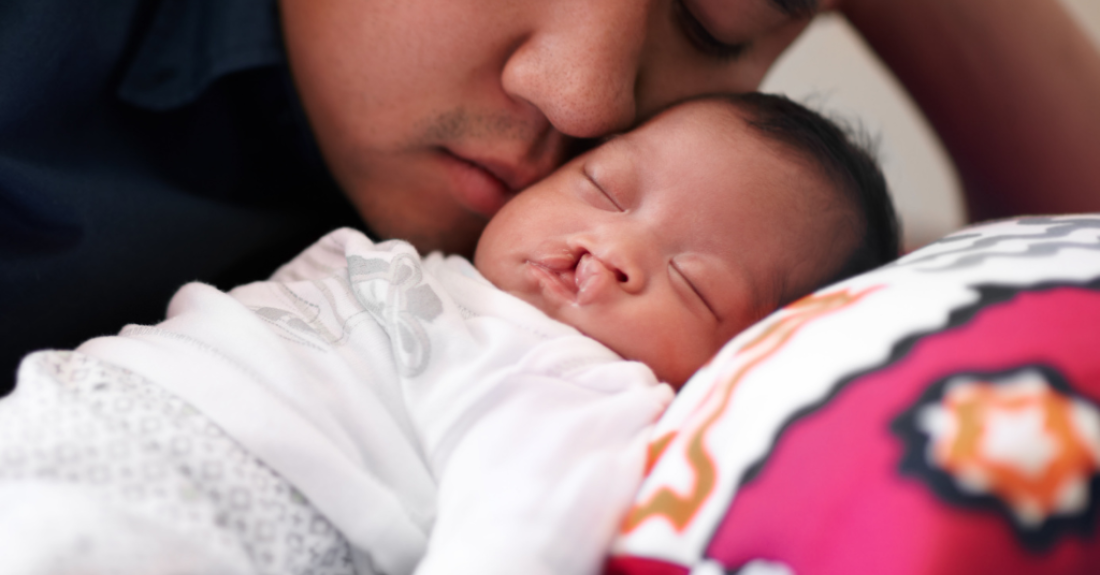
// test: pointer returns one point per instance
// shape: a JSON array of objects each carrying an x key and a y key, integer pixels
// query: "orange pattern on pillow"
[{"x": 679, "y": 510}]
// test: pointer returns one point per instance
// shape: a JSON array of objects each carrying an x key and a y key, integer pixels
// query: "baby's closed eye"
[
  {"x": 598, "y": 195},
  {"x": 691, "y": 288}
]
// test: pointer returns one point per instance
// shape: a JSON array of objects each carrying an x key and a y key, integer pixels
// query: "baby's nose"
[
  {"x": 625, "y": 269},
  {"x": 596, "y": 278}
]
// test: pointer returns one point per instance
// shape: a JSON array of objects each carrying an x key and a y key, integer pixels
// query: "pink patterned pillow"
[{"x": 938, "y": 415}]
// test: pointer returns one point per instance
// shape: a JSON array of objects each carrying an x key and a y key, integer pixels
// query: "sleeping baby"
[{"x": 368, "y": 410}]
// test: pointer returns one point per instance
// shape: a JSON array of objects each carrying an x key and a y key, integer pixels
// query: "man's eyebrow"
[{"x": 797, "y": 8}]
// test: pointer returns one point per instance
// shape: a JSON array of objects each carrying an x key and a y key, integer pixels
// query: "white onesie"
[{"x": 440, "y": 424}]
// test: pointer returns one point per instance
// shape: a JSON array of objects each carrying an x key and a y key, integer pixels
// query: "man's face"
[
  {"x": 433, "y": 113},
  {"x": 665, "y": 242}
]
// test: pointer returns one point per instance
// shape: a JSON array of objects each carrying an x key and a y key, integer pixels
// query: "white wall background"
[{"x": 831, "y": 68}]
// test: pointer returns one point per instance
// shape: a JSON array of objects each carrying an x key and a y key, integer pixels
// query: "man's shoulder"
[{"x": 189, "y": 44}]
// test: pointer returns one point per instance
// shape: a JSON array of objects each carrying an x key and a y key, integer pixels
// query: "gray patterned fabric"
[{"x": 130, "y": 471}]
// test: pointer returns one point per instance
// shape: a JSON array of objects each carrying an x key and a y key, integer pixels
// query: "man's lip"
[
  {"x": 514, "y": 175},
  {"x": 473, "y": 186}
]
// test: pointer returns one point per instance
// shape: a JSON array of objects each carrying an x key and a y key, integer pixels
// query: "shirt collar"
[{"x": 192, "y": 43}]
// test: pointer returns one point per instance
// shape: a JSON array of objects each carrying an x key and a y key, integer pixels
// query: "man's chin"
[
  {"x": 458, "y": 237},
  {"x": 429, "y": 222}
]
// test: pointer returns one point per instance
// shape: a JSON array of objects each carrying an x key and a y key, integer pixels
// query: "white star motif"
[{"x": 1018, "y": 437}]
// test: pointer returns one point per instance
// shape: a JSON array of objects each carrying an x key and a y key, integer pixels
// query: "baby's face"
[{"x": 665, "y": 242}]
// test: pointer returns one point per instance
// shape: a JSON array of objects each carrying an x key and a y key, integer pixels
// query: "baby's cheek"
[
  {"x": 692, "y": 353},
  {"x": 672, "y": 345},
  {"x": 673, "y": 359}
]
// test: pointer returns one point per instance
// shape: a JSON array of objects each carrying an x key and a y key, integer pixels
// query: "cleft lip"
[
  {"x": 556, "y": 271},
  {"x": 578, "y": 276},
  {"x": 588, "y": 276}
]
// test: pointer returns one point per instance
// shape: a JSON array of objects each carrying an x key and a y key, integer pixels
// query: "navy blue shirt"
[{"x": 145, "y": 144}]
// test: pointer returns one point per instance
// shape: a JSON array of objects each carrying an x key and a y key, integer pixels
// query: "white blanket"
[
  {"x": 439, "y": 424},
  {"x": 105, "y": 473}
]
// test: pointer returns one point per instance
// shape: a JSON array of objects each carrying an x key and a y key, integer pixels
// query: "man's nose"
[{"x": 580, "y": 66}]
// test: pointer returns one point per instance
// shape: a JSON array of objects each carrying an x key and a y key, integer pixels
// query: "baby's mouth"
[
  {"x": 557, "y": 273},
  {"x": 586, "y": 277},
  {"x": 573, "y": 277}
]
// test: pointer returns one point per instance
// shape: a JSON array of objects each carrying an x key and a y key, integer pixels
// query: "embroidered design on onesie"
[{"x": 392, "y": 292}]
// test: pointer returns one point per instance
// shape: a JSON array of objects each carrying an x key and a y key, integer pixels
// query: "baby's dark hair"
[{"x": 844, "y": 155}]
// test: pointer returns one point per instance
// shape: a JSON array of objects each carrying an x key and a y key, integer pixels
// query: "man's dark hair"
[{"x": 843, "y": 153}]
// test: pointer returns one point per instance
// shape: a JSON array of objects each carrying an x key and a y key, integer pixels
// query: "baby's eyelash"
[
  {"x": 691, "y": 284},
  {"x": 609, "y": 197}
]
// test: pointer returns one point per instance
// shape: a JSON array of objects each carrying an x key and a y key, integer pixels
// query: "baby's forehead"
[
  {"x": 713, "y": 112},
  {"x": 719, "y": 133},
  {"x": 753, "y": 175}
]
